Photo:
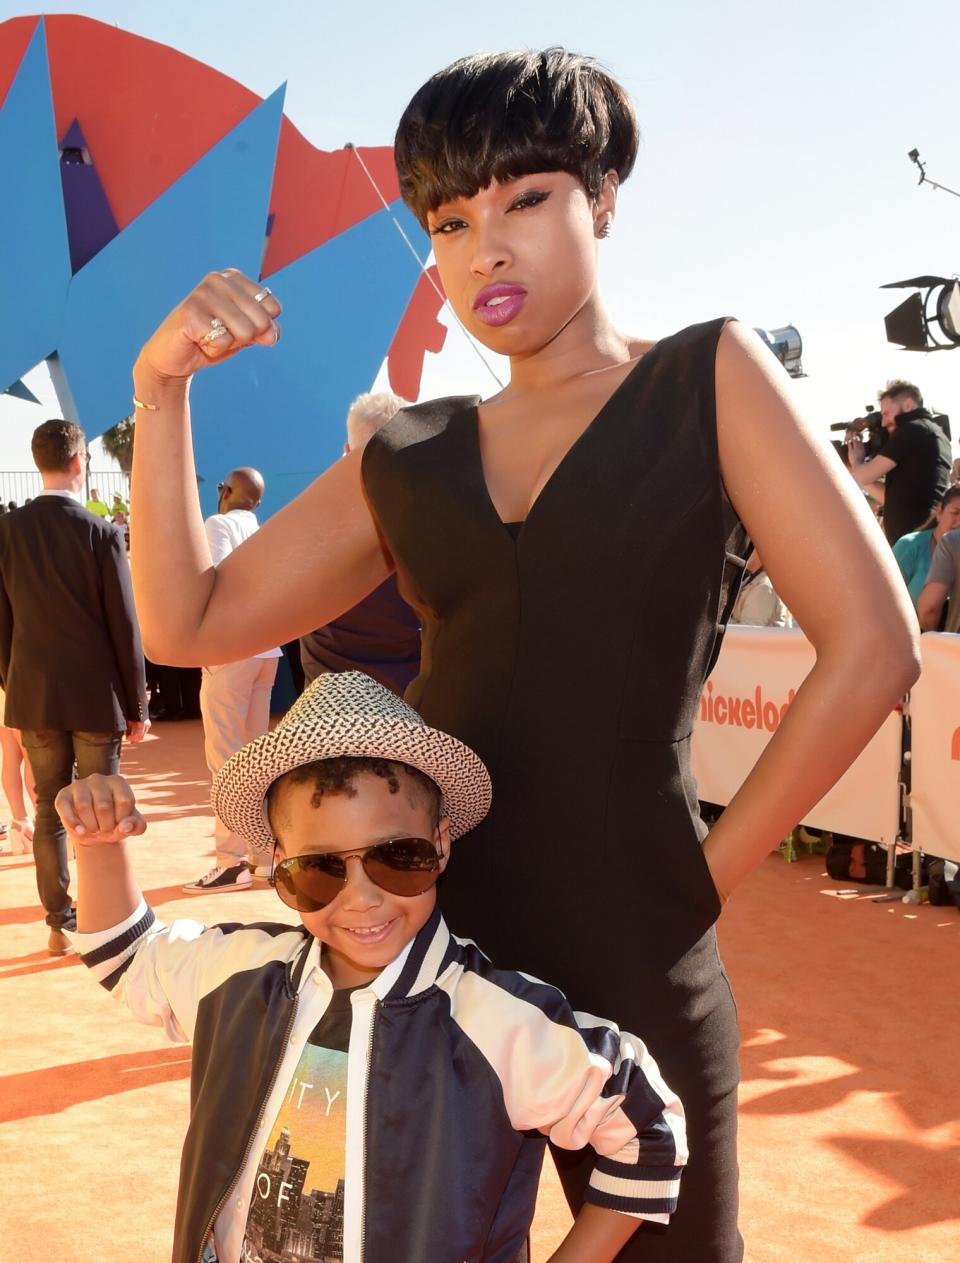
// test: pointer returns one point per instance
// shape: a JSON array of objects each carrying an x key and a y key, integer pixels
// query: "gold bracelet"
[{"x": 147, "y": 407}]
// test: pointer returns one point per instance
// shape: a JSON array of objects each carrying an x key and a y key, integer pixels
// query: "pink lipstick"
[{"x": 498, "y": 304}]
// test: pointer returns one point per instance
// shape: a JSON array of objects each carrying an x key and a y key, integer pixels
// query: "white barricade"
[
  {"x": 935, "y": 747},
  {"x": 756, "y": 678}
]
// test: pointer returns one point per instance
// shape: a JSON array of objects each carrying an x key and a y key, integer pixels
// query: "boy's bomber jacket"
[{"x": 457, "y": 1072}]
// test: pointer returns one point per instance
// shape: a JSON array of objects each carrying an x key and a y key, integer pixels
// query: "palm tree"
[{"x": 118, "y": 443}]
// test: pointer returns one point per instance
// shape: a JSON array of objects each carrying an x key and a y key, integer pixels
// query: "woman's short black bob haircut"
[{"x": 498, "y": 116}]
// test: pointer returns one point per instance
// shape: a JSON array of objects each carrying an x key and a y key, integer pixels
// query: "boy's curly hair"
[{"x": 337, "y": 776}]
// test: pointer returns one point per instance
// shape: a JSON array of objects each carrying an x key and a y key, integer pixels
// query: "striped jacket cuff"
[
  {"x": 108, "y": 953},
  {"x": 644, "y": 1192}
]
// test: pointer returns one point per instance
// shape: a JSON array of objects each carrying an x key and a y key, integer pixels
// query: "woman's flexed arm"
[{"x": 309, "y": 563}]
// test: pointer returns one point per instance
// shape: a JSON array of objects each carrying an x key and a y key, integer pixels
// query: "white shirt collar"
[{"x": 56, "y": 491}]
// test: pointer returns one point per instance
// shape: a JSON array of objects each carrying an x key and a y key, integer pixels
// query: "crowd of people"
[
  {"x": 381, "y": 636},
  {"x": 548, "y": 709},
  {"x": 117, "y": 511},
  {"x": 911, "y": 485}
]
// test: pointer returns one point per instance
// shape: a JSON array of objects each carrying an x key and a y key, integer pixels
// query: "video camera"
[{"x": 868, "y": 429}]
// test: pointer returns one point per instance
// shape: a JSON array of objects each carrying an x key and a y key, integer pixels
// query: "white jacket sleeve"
[
  {"x": 580, "y": 1080},
  {"x": 162, "y": 972},
  {"x": 131, "y": 961}
]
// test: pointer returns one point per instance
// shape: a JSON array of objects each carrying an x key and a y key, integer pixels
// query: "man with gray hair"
[
  {"x": 234, "y": 696},
  {"x": 381, "y": 635}
]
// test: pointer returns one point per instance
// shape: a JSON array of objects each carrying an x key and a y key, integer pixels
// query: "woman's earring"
[{"x": 604, "y": 229}]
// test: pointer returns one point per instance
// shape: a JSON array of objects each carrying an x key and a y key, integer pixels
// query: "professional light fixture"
[
  {"x": 787, "y": 345},
  {"x": 928, "y": 320}
]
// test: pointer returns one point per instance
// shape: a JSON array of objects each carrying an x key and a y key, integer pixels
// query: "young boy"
[{"x": 365, "y": 1086}]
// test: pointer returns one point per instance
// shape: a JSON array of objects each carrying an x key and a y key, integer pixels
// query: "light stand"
[{"x": 914, "y": 156}]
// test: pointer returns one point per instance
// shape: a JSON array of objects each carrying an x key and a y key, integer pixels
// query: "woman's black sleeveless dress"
[{"x": 572, "y": 658}]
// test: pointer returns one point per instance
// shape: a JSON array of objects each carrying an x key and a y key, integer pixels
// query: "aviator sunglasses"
[{"x": 402, "y": 866}]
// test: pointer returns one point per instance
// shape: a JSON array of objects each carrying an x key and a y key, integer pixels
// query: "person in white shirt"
[
  {"x": 234, "y": 696},
  {"x": 757, "y": 602}
]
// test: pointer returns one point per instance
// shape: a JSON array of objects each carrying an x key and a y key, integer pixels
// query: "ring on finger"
[
  {"x": 264, "y": 293},
  {"x": 217, "y": 330}
]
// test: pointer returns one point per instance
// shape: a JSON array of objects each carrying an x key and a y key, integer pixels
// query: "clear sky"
[{"x": 772, "y": 183}]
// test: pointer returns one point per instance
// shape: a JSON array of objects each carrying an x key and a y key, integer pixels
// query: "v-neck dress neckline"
[{"x": 473, "y": 403}]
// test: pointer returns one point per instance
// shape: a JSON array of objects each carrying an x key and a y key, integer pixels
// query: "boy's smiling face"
[{"x": 365, "y": 927}]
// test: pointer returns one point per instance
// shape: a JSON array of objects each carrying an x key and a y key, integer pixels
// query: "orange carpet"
[{"x": 850, "y": 1131}]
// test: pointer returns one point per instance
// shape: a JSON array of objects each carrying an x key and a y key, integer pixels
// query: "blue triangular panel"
[
  {"x": 212, "y": 218},
  {"x": 19, "y": 391},
  {"x": 283, "y": 409},
  {"x": 34, "y": 254}
]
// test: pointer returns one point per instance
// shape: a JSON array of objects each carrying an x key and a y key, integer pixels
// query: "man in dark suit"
[{"x": 71, "y": 663}]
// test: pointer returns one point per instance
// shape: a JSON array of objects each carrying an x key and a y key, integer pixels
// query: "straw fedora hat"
[{"x": 348, "y": 713}]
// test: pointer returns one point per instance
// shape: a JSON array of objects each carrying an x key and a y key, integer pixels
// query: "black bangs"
[{"x": 498, "y": 116}]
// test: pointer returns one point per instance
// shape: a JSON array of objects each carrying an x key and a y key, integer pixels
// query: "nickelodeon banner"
[
  {"x": 745, "y": 700},
  {"x": 935, "y": 747}
]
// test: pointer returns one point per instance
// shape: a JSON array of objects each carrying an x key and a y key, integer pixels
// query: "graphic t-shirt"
[{"x": 296, "y": 1208}]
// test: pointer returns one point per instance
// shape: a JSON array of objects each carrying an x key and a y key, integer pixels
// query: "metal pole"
[{"x": 914, "y": 156}]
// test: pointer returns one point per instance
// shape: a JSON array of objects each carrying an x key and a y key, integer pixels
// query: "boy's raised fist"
[{"x": 97, "y": 810}]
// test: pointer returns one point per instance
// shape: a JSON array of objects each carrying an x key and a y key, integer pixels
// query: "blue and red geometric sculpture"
[
  {"x": 90, "y": 221},
  {"x": 139, "y": 170}
]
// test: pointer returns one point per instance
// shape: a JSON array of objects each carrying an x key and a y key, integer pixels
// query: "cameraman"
[{"x": 915, "y": 459}]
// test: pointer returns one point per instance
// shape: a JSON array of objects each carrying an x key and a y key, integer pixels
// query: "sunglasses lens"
[
  {"x": 309, "y": 882},
  {"x": 405, "y": 866}
]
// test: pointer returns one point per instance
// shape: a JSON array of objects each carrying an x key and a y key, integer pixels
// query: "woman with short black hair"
[{"x": 574, "y": 546}]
